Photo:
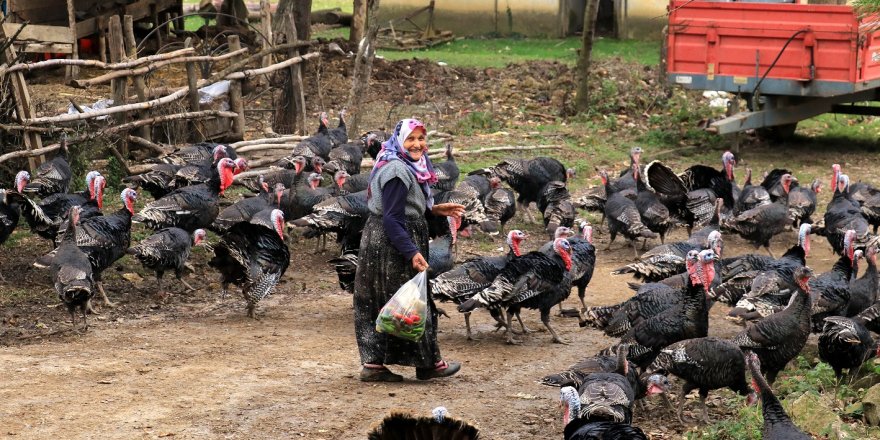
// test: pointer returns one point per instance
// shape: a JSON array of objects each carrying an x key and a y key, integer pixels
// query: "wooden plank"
[
  {"x": 46, "y": 48},
  {"x": 38, "y": 32},
  {"x": 23, "y": 107}
]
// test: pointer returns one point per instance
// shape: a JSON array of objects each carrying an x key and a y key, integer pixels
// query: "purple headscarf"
[{"x": 392, "y": 149}]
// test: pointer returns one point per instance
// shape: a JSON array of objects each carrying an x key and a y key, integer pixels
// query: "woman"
[{"x": 394, "y": 247}]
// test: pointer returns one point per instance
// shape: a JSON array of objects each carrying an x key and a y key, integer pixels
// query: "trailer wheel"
[{"x": 778, "y": 133}]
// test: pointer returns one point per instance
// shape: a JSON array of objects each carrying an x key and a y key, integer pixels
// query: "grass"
[{"x": 499, "y": 52}]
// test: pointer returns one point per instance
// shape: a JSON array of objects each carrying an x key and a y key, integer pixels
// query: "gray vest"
[{"x": 415, "y": 198}]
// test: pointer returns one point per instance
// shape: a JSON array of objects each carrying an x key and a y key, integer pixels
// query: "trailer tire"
[{"x": 778, "y": 133}]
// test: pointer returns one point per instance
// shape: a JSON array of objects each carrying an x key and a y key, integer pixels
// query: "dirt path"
[{"x": 200, "y": 369}]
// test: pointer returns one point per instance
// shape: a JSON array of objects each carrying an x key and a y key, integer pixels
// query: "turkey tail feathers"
[{"x": 403, "y": 426}]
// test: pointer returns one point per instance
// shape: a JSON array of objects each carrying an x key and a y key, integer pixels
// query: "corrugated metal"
[{"x": 470, "y": 17}]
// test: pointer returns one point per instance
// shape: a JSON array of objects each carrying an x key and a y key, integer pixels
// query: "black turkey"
[
  {"x": 499, "y": 203},
  {"x": 198, "y": 153},
  {"x": 441, "y": 256},
  {"x": 527, "y": 177},
  {"x": 191, "y": 207},
  {"x": 846, "y": 344},
  {"x": 623, "y": 216},
  {"x": 868, "y": 199},
  {"x": 244, "y": 209},
  {"x": 668, "y": 259},
  {"x": 843, "y": 214},
  {"x": 575, "y": 375},
  {"x": 777, "y": 424},
  {"x": 802, "y": 202},
  {"x": 830, "y": 290},
  {"x": 447, "y": 172},
  {"x": 72, "y": 272},
  {"x": 556, "y": 206},
  {"x": 602, "y": 396},
  {"x": 751, "y": 196},
  {"x": 46, "y": 216},
  {"x": 52, "y": 177},
  {"x": 345, "y": 215},
  {"x": 778, "y": 338},
  {"x": 9, "y": 214},
  {"x": 759, "y": 225},
  {"x": 864, "y": 291},
  {"x": 704, "y": 364},
  {"x": 167, "y": 249},
  {"x": 469, "y": 278},
  {"x": 339, "y": 135},
  {"x": 273, "y": 176},
  {"x": 687, "y": 320},
  {"x": 403, "y": 426},
  {"x": 534, "y": 280},
  {"x": 253, "y": 255},
  {"x": 158, "y": 180},
  {"x": 346, "y": 157}
]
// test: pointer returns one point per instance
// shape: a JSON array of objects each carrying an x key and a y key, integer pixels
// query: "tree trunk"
[
  {"x": 358, "y": 21},
  {"x": 302, "y": 12},
  {"x": 582, "y": 101},
  {"x": 363, "y": 66},
  {"x": 286, "y": 109}
]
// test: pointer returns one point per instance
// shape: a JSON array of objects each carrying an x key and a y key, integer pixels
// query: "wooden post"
[
  {"x": 72, "y": 71},
  {"x": 296, "y": 83},
  {"x": 102, "y": 38},
  {"x": 154, "y": 16},
  {"x": 23, "y": 107},
  {"x": 138, "y": 80},
  {"x": 118, "y": 86},
  {"x": 363, "y": 67},
  {"x": 235, "y": 101},
  {"x": 266, "y": 29},
  {"x": 196, "y": 133}
]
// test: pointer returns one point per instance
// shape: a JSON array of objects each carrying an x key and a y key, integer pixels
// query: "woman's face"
[{"x": 416, "y": 144}]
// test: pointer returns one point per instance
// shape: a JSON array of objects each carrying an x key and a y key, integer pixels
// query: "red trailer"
[{"x": 789, "y": 61}]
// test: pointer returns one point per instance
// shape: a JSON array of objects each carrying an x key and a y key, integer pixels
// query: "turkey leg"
[
  {"x": 682, "y": 398},
  {"x": 467, "y": 324},
  {"x": 510, "y": 339},
  {"x": 545, "y": 318},
  {"x": 703, "y": 397},
  {"x": 525, "y": 330},
  {"x": 104, "y": 294}
]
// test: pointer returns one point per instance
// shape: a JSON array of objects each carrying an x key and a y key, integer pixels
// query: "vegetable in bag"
[{"x": 404, "y": 314}]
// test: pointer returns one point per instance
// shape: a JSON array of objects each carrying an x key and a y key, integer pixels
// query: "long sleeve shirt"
[{"x": 394, "y": 217}]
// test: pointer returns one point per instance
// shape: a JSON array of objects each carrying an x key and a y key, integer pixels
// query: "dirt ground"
[{"x": 196, "y": 367}]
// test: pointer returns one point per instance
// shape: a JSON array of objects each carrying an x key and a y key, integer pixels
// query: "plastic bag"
[{"x": 404, "y": 314}]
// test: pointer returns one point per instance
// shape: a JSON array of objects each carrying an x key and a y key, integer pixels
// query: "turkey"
[
  {"x": 373, "y": 141},
  {"x": 243, "y": 210},
  {"x": 774, "y": 184},
  {"x": 667, "y": 260},
  {"x": 777, "y": 424},
  {"x": 583, "y": 262},
  {"x": 654, "y": 214},
  {"x": 447, "y": 172},
  {"x": 273, "y": 176},
  {"x": 474, "y": 212},
  {"x": 47, "y": 216},
  {"x": 585, "y": 428},
  {"x": 842, "y": 214},
  {"x": 345, "y": 215},
  {"x": 689, "y": 319},
  {"x": 469, "y": 278},
  {"x": 167, "y": 249},
  {"x": 441, "y": 257},
  {"x": 575, "y": 375},
  {"x": 316, "y": 145},
  {"x": 339, "y": 135},
  {"x": 846, "y": 343},
  {"x": 602, "y": 396},
  {"x": 870, "y": 317},
  {"x": 527, "y": 177},
  {"x": 534, "y": 280},
  {"x": 864, "y": 291},
  {"x": 691, "y": 195},
  {"x": 52, "y": 177},
  {"x": 742, "y": 272},
  {"x": 499, "y": 203},
  {"x": 802, "y": 202},
  {"x": 346, "y": 157},
  {"x": 751, "y": 196},
  {"x": 403, "y": 426},
  {"x": 72, "y": 273},
  {"x": 158, "y": 181},
  {"x": 759, "y": 225},
  {"x": 780, "y": 337},
  {"x": 192, "y": 207},
  {"x": 200, "y": 173},
  {"x": 628, "y": 177},
  {"x": 623, "y": 217},
  {"x": 831, "y": 289},
  {"x": 9, "y": 214},
  {"x": 301, "y": 200},
  {"x": 253, "y": 255},
  {"x": 555, "y": 205},
  {"x": 106, "y": 238},
  {"x": 868, "y": 199},
  {"x": 92, "y": 207},
  {"x": 356, "y": 183},
  {"x": 704, "y": 364},
  {"x": 197, "y": 153}
]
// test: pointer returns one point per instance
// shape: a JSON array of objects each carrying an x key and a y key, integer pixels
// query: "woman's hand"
[
  {"x": 448, "y": 209},
  {"x": 419, "y": 263}
]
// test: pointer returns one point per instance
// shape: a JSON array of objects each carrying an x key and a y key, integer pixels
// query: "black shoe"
[
  {"x": 431, "y": 373},
  {"x": 379, "y": 375}
]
